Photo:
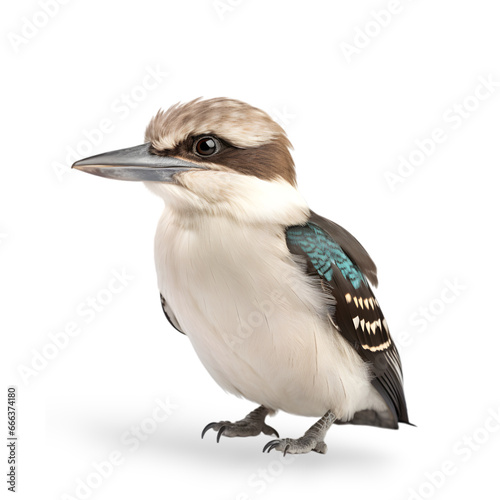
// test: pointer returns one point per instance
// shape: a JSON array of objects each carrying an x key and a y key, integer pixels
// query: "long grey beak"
[{"x": 135, "y": 164}]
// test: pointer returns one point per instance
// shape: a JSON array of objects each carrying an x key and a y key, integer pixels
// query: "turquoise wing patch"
[{"x": 324, "y": 252}]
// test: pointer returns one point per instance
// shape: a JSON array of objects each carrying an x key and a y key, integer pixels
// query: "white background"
[{"x": 433, "y": 237}]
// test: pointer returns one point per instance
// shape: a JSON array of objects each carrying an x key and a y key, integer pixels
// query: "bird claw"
[
  {"x": 219, "y": 434},
  {"x": 209, "y": 426},
  {"x": 271, "y": 445},
  {"x": 269, "y": 431},
  {"x": 251, "y": 425},
  {"x": 220, "y": 427},
  {"x": 312, "y": 440},
  {"x": 295, "y": 446}
]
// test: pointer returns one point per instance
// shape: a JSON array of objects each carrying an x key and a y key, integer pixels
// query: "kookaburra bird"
[{"x": 275, "y": 299}]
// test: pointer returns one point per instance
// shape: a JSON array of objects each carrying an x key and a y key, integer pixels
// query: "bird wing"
[
  {"x": 344, "y": 268},
  {"x": 169, "y": 314}
]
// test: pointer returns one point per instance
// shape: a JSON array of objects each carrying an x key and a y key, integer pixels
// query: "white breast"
[{"x": 256, "y": 321}]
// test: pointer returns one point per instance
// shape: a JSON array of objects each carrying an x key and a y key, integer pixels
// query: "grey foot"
[
  {"x": 312, "y": 440},
  {"x": 304, "y": 444},
  {"x": 252, "y": 425}
]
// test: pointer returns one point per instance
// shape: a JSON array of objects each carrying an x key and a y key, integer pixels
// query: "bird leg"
[
  {"x": 312, "y": 440},
  {"x": 252, "y": 425}
]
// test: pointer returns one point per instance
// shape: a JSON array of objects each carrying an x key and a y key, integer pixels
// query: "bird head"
[{"x": 216, "y": 155}]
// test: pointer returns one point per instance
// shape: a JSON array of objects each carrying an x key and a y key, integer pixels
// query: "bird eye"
[{"x": 206, "y": 146}]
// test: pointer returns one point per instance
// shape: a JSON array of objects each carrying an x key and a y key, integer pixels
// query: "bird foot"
[
  {"x": 305, "y": 444},
  {"x": 312, "y": 440},
  {"x": 252, "y": 425}
]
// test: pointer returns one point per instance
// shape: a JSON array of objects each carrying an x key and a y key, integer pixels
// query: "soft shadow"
[{"x": 236, "y": 453}]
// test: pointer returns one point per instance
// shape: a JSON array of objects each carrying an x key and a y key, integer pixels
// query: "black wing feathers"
[
  {"x": 357, "y": 313},
  {"x": 169, "y": 314}
]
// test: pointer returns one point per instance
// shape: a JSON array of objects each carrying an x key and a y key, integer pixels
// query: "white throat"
[{"x": 244, "y": 198}]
